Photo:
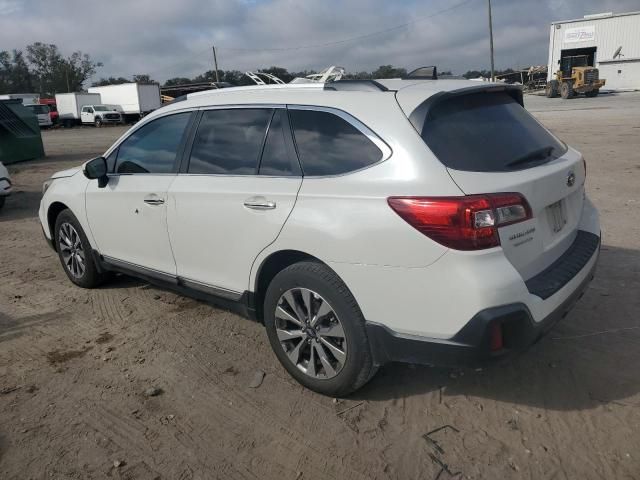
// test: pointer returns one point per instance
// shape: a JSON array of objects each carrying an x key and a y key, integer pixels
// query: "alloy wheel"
[
  {"x": 310, "y": 333},
  {"x": 71, "y": 250}
]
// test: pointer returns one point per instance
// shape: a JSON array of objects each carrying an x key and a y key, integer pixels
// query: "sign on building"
[{"x": 580, "y": 34}]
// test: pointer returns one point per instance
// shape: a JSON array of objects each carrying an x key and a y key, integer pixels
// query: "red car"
[{"x": 53, "y": 111}]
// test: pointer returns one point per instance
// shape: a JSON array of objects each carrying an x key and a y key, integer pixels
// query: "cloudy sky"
[{"x": 167, "y": 38}]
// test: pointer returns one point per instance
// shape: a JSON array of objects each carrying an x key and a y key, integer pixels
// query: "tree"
[
  {"x": 14, "y": 73},
  {"x": 279, "y": 72},
  {"x": 53, "y": 73},
  {"x": 176, "y": 81},
  {"x": 143, "y": 78},
  {"x": 110, "y": 81},
  {"x": 388, "y": 71}
]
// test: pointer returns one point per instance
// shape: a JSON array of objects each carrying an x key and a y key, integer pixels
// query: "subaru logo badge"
[{"x": 571, "y": 179}]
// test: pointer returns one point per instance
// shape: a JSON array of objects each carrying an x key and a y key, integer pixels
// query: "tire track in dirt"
[{"x": 225, "y": 393}]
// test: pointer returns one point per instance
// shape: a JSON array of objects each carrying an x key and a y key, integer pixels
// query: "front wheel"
[
  {"x": 566, "y": 90},
  {"x": 75, "y": 253},
  {"x": 317, "y": 330},
  {"x": 98, "y": 122},
  {"x": 592, "y": 93},
  {"x": 2, "y": 201}
]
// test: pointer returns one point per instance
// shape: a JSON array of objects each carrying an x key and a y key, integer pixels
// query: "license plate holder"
[{"x": 557, "y": 217}]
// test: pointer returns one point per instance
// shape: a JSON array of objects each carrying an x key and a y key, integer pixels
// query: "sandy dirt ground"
[{"x": 75, "y": 364}]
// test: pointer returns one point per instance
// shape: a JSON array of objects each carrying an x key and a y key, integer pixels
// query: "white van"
[{"x": 42, "y": 112}]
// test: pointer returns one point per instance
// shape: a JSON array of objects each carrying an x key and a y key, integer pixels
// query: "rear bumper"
[{"x": 472, "y": 344}]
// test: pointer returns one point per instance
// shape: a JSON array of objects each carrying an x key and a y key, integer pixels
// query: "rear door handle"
[
  {"x": 153, "y": 199},
  {"x": 259, "y": 203}
]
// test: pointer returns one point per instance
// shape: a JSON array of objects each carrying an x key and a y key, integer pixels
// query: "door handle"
[
  {"x": 259, "y": 203},
  {"x": 153, "y": 199}
]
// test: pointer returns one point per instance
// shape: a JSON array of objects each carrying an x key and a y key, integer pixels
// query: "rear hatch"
[{"x": 489, "y": 144}]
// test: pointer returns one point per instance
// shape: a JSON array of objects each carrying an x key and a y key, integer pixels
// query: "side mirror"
[{"x": 97, "y": 169}]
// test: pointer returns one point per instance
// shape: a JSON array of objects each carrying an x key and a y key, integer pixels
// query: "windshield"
[
  {"x": 38, "y": 109},
  {"x": 488, "y": 132},
  {"x": 101, "y": 108}
]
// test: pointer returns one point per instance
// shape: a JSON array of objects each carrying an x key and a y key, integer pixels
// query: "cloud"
[{"x": 174, "y": 37}]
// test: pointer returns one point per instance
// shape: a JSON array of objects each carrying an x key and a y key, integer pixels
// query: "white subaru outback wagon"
[{"x": 363, "y": 222}]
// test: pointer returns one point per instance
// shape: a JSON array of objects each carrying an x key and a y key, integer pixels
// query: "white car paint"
[
  {"x": 399, "y": 277},
  {"x": 5, "y": 181}
]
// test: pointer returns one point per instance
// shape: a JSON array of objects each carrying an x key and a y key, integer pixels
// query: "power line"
[{"x": 351, "y": 39}]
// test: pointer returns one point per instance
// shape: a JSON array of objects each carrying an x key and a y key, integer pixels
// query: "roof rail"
[{"x": 356, "y": 85}]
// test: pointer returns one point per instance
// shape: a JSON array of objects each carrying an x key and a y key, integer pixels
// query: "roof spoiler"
[
  {"x": 421, "y": 112},
  {"x": 422, "y": 73}
]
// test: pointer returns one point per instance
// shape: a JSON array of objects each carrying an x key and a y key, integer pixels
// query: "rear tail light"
[{"x": 463, "y": 223}]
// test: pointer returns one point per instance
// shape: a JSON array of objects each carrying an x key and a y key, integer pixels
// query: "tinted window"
[
  {"x": 329, "y": 145},
  {"x": 487, "y": 132},
  {"x": 38, "y": 109},
  {"x": 276, "y": 159},
  {"x": 229, "y": 141},
  {"x": 153, "y": 147}
]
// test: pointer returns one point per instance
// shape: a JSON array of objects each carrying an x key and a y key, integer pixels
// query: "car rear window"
[{"x": 487, "y": 132}]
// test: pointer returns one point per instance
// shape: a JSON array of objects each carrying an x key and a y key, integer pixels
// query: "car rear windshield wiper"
[{"x": 538, "y": 154}]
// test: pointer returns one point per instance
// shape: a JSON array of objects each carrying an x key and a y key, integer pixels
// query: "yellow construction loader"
[{"x": 575, "y": 76}]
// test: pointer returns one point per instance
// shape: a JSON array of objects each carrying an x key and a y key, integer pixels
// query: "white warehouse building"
[{"x": 611, "y": 43}]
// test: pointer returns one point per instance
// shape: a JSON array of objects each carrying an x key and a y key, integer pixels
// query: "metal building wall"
[{"x": 606, "y": 34}]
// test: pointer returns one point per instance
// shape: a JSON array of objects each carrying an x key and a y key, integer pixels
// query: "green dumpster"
[{"x": 19, "y": 133}]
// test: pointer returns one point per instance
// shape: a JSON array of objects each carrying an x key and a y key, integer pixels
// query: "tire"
[
  {"x": 2, "y": 199},
  {"x": 566, "y": 90},
  {"x": 592, "y": 93},
  {"x": 551, "y": 89},
  {"x": 90, "y": 277},
  {"x": 327, "y": 374},
  {"x": 97, "y": 122}
]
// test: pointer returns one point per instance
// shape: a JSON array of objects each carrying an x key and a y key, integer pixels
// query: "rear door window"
[
  {"x": 329, "y": 145},
  {"x": 229, "y": 141},
  {"x": 488, "y": 132},
  {"x": 277, "y": 157}
]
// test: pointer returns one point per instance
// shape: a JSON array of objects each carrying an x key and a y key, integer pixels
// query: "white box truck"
[
  {"x": 70, "y": 105},
  {"x": 134, "y": 100}
]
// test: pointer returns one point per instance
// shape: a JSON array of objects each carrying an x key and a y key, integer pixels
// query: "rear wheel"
[
  {"x": 75, "y": 252},
  {"x": 2, "y": 202},
  {"x": 551, "y": 89},
  {"x": 566, "y": 90},
  {"x": 592, "y": 93},
  {"x": 317, "y": 330}
]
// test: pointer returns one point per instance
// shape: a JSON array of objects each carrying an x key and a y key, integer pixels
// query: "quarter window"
[
  {"x": 229, "y": 141},
  {"x": 153, "y": 147},
  {"x": 329, "y": 145}
]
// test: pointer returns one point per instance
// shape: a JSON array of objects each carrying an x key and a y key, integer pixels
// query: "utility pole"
[
  {"x": 493, "y": 76},
  {"x": 215, "y": 62}
]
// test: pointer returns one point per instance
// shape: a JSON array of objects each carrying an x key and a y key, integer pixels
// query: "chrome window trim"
[{"x": 141, "y": 123}]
